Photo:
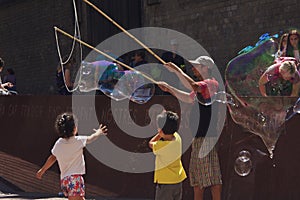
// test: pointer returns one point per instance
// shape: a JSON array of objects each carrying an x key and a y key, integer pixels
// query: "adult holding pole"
[{"x": 204, "y": 172}]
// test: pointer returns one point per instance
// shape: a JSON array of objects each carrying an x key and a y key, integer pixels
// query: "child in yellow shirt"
[{"x": 166, "y": 145}]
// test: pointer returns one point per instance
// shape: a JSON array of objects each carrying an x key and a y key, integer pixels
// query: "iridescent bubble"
[
  {"x": 243, "y": 163},
  {"x": 243, "y": 72},
  {"x": 105, "y": 76},
  {"x": 263, "y": 116},
  {"x": 101, "y": 75},
  {"x": 86, "y": 82},
  {"x": 136, "y": 87}
]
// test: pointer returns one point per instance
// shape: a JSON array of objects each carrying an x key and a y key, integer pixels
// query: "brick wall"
[
  {"x": 223, "y": 27},
  {"x": 27, "y": 42}
]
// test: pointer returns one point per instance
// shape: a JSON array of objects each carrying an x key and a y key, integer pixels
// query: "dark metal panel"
[
  {"x": 127, "y": 13},
  {"x": 27, "y": 119},
  {"x": 4, "y": 1}
]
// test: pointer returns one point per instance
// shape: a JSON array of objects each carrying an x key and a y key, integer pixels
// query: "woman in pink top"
[{"x": 280, "y": 79}]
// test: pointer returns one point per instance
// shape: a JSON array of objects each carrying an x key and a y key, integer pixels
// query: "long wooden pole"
[{"x": 104, "y": 54}]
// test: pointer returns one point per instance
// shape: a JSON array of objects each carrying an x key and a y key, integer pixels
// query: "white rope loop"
[{"x": 76, "y": 35}]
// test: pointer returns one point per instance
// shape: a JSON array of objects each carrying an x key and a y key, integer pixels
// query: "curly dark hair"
[{"x": 65, "y": 124}]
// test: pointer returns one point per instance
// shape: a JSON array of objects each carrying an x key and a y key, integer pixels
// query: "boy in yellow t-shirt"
[{"x": 166, "y": 145}]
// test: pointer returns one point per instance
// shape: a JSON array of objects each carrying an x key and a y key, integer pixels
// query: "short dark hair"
[
  {"x": 167, "y": 121},
  {"x": 65, "y": 124},
  {"x": 1, "y": 62}
]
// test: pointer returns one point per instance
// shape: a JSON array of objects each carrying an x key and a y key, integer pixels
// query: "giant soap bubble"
[
  {"x": 263, "y": 116},
  {"x": 117, "y": 84},
  {"x": 135, "y": 86}
]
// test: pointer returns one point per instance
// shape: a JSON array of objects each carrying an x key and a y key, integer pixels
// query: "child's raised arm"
[
  {"x": 50, "y": 161},
  {"x": 154, "y": 139},
  {"x": 102, "y": 130}
]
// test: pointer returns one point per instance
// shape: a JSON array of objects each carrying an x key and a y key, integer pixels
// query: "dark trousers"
[{"x": 168, "y": 191}]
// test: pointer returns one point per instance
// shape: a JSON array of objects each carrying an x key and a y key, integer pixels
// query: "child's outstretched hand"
[{"x": 102, "y": 130}]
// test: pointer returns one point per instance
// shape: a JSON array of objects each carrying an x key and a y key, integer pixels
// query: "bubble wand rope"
[
  {"x": 62, "y": 63},
  {"x": 126, "y": 32},
  {"x": 104, "y": 54}
]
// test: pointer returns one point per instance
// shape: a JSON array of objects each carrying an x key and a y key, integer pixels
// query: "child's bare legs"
[
  {"x": 198, "y": 193},
  {"x": 216, "y": 191}
]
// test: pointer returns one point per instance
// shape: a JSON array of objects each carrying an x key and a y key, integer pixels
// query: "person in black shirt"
[{"x": 203, "y": 171}]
